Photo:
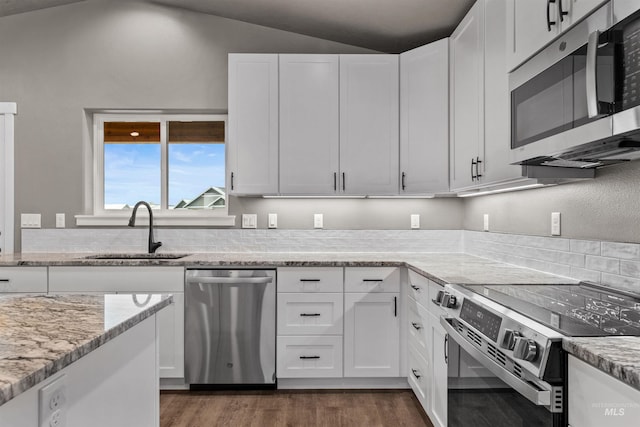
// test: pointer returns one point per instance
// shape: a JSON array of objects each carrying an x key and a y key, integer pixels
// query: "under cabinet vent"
[
  {"x": 496, "y": 355},
  {"x": 517, "y": 370},
  {"x": 474, "y": 337}
]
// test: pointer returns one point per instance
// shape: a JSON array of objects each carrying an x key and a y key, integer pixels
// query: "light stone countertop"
[
  {"x": 42, "y": 334},
  {"x": 604, "y": 353}
]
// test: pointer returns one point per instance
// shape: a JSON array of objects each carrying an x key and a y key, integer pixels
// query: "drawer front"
[
  {"x": 418, "y": 377},
  {"x": 418, "y": 318},
  {"x": 376, "y": 279},
  {"x": 419, "y": 288},
  {"x": 116, "y": 279},
  {"x": 309, "y": 357},
  {"x": 433, "y": 308},
  {"x": 310, "y": 314},
  {"x": 23, "y": 279},
  {"x": 310, "y": 279}
]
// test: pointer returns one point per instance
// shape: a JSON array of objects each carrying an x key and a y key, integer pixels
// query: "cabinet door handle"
[
  {"x": 478, "y": 161},
  {"x": 335, "y": 181},
  {"x": 549, "y": 21},
  {"x": 309, "y": 357},
  {"x": 5, "y": 280},
  {"x": 404, "y": 175},
  {"x": 395, "y": 306},
  {"x": 232, "y": 180},
  {"x": 446, "y": 348},
  {"x": 416, "y": 326},
  {"x": 561, "y": 13},
  {"x": 344, "y": 185},
  {"x": 373, "y": 280},
  {"x": 309, "y": 314},
  {"x": 473, "y": 163},
  {"x": 309, "y": 280},
  {"x": 416, "y": 373},
  {"x": 415, "y": 288}
]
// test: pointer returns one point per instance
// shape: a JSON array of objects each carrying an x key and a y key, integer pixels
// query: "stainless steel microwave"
[{"x": 577, "y": 102}]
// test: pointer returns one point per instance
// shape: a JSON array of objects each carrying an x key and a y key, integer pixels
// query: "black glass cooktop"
[{"x": 573, "y": 310}]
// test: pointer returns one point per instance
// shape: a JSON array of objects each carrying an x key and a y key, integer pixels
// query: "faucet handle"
[{"x": 154, "y": 247}]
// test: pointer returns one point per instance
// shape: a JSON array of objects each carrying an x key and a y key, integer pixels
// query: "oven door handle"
[{"x": 534, "y": 395}]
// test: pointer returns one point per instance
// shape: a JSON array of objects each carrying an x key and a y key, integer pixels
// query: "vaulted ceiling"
[{"x": 384, "y": 25}]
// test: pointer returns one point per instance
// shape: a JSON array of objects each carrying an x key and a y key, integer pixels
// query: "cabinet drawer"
[
  {"x": 23, "y": 279},
  {"x": 309, "y": 357},
  {"x": 418, "y": 318},
  {"x": 310, "y": 279},
  {"x": 310, "y": 314},
  {"x": 116, "y": 279},
  {"x": 377, "y": 279},
  {"x": 419, "y": 288},
  {"x": 418, "y": 377}
]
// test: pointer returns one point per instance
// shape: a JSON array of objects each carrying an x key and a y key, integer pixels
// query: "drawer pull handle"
[
  {"x": 309, "y": 314},
  {"x": 373, "y": 280},
  {"x": 416, "y": 326},
  {"x": 415, "y": 288},
  {"x": 309, "y": 357},
  {"x": 309, "y": 280},
  {"x": 5, "y": 280},
  {"x": 416, "y": 373}
]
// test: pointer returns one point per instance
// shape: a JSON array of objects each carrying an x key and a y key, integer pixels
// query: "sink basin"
[{"x": 136, "y": 256}]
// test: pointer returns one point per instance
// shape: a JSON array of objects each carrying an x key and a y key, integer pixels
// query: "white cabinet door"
[
  {"x": 171, "y": 338},
  {"x": 371, "y": 335},
  {"x": 497, "y": 126},
  {"x": 527, "y": 30},
  {"x": 310, "y": 313},
  {"x": 7, "y": 113},
  {"x": 369, "y": 120},
  {"x": 424, "y": 119},
  {"x": 23, "y": 279},
  {"x": 438, "y": 402},
  {"x": 467, "y": 99},
  {"x": 578, "y": 9},
  {"x": 309, "y": 117},
  {"x": 253, "y": 124}
]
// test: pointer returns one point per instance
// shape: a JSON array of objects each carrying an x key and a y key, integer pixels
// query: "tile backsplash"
[{"x": 608, "y": 263}]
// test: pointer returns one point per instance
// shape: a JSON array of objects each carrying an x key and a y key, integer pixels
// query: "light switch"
[
  {"x": 415, "y": 221},
  {"x": 485, "y": 226},
  {"x": 273, "y": 220},
  {"x": 30, "y": 220},
  {"x": 317, "y": 221},
  {"x": 555, "y": 223},
  {"x": 249, "y": 221}
]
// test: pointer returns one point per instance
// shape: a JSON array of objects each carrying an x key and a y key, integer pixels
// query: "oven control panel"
[{"x": 481, "y": 319}]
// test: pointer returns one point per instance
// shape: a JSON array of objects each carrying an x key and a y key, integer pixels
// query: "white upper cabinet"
[
  {"x": 253, "y": 124},
  {"x": 424, "y": 119},
  {"x": 532, "y": 24},
  {"x": 467, "y": 100},
  {"x": 309, "y": 120},
  {"x": 369, "y": 120}
]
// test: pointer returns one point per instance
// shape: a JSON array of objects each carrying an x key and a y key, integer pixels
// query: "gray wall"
[{"x": 607, "y": 208}]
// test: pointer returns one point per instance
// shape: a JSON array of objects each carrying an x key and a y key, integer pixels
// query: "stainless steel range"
[{"x": 514, "y": 333}]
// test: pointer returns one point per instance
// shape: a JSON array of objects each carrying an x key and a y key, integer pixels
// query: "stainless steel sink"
[{"x": 136, "y": 256}]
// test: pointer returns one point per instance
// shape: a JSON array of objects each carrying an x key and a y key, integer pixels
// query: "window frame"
[{"x": 163, "y": 215}]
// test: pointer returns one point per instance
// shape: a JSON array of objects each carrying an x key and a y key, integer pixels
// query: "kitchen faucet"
[{"x": 153, "y": 246}]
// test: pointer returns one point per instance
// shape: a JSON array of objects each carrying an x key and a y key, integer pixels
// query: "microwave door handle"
[{"x": 591, "y": 77}]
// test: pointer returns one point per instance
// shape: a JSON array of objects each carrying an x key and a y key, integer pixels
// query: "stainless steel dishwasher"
[{"x": 230, "y": 328}]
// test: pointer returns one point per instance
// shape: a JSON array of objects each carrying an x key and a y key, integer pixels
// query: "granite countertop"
[
  {"x": 617, "y": 356},
  {"x": 440, "y": 267},
  {"x": 37, "y": 338}
]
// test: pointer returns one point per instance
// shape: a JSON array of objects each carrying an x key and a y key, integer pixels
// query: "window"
[{"x": 175, "y": 162}]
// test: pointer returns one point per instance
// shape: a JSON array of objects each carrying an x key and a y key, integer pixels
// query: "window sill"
[{"x": 120, "y": 220}]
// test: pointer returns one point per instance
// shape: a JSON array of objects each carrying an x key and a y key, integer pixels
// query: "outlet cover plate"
[
  {"x": 318, "y": 221},
  {"x": 415, "y": 221},
  {"x": 249, "y": 221},
  {"x": 555, "y": 223},
  {"x": 52, "y": 403},
  {"x": 273, "y": 220},
  {"x": 485, "y": 225}
]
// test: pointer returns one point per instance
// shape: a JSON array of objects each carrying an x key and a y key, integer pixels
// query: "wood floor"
[{"x": 291, "y": 408}]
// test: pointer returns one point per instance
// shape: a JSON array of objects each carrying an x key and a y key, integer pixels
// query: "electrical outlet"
[
  {"x": 30, "y": 220},
  {"x": 317, "y": 221},
  {"x": 53, "y": 403},
  {"x": 60, "y": 220},
  {"x": 485, "y": 226},
  {"x": 555, "y": 223},
  {"x": 415, "y": 221},
  {"x": 249, "y": 221},
  {"x": 273, "y": 221}
]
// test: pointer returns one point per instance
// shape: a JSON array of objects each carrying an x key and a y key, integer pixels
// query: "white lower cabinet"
[
  {"x": 309, "y": 314},
  {"x": 309, "y": 356},
  {"x": 438, "y": 401},
  {"x": 140, "y": 282},
  {"x": 23, "y": 279},
  {"x": 419, "y": 375},
  {"x": 371, "y": 335},
  {"x": 597, "y": 399}
]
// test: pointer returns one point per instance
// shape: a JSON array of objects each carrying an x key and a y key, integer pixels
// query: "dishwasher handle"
[{"x": 228, "y": 280}]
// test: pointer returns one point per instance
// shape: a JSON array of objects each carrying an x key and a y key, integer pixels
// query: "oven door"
[{"x": 480, "y": 393}]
